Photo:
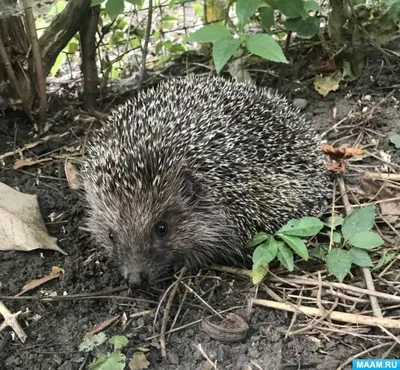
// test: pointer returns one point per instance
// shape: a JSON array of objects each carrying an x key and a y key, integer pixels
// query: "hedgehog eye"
[
  {"x": 111, "y": 236},
  {"x": 161, "y": 228}
]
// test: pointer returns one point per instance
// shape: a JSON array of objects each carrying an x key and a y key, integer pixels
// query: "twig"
[
  {"x": 334, "y": 315},
  {"x": 166, "y": 313},
  {"x": 10, "y": 320},
  {"x": 14, "y": 81},
  {"x": 206, "y": 357},
  {"x": 366, "y": 271},
  {"x": 37, "y": 59},
  {"x": 361, "y": 354},
  {"x": 146, "y": 44}
]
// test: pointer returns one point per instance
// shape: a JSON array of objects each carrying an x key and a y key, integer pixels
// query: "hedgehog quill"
[{"x": 187, "y": 172}]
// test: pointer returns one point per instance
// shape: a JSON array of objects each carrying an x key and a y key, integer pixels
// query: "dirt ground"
[{"x": 56, "y": 328}]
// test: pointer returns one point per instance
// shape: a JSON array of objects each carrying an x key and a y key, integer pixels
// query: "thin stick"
[
  {"x": 334, "y": 315},
  {"x": 37, "y": 59},
  {"x": 166, "y": 314},
  {"x": 146, "y": 44},
  {"x": 10, "y": 320}
]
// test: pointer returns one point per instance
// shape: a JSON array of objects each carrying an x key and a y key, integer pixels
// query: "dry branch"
[
  {"x": 61, "y": 30},
  {"x": 334, "y": 315},
  {"x": 88, "y": 52},
  {"x": 37, "y": 59},
  {"x": 13, "y": 80},
  {"x": 10, "y": 320}
]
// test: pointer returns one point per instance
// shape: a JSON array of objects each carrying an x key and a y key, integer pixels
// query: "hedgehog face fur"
[{"x": 185, "y": 174}]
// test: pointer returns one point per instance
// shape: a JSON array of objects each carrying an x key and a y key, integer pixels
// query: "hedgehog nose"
[{"x": 137, "y": 280}]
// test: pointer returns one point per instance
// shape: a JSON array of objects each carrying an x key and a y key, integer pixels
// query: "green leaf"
[
  {"x": 56, "y": 66},
  {"x": 272, "y": 3},
  {"x": 339, "y": 263},
  {"x": 291, "y": 8},
  {"x": 267, "y": 17},
  {"x": 366, "y": 240},
  {"x": 114, "y": 8},
  {"x": 361, "y": 257},
  {"x": 337, "y": 238},
  {"x": 285, "y": 256},
  {"x": 210, "y": 33},
  {"x": 296, "y": 244},
  {"x": 361, "y": 219},
  {"x": 223, "y": 49},
  {"x": 245, "y": 9},
  {"x": 337, "y": 221},
  {"x": 119, "y": 341},
  {"x": 311, "y": 5},
  {"x": 319, "y": 252},
  {"x": 395, "y": 139},
  {"x": 258, "y": 273},
  {"x": 138, "y": 3},
  {"x": 115, "y": 361},
  {"x": 265, "y": 252},
  {"x": 385, "y": 258},
  {"x": 305, "y": 28},
  {"x": 258, "y": 239},
  {"x": 89, "y": 343},
  {"x": 96, "y": 2},
  {"x": 306, "y": 226},
  {"x": 266, "y": 47}
]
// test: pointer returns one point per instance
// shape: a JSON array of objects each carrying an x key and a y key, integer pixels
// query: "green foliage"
[
  {"x": 348, "y": 247},
  {"x": 298, "y": 19},
  {"x": 393, "y": 9},
  {"x": 114, "y": 8},
  {"x": 282, "y": 244},
  {"x": 357, "y": 239},
  {"x": 226, "y": 44},
  {"x": 105, "y": 361}
]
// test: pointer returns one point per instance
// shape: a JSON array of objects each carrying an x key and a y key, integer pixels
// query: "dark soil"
[{"x": 55, "y": 329}]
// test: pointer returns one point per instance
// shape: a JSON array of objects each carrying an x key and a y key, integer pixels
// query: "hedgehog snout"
[{"x": 137, "y": 279}]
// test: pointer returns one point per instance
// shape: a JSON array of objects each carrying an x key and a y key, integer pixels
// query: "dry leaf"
[
  {"x": 55, "y": 273},
  {"x": 378, "y": 190},
  {"x": 29, "y": 162},
  {"x": 22, "y": 226},
  {"x": 102, "y": 325},
  {"x": 325, "y": 84},
  {"x": 336, "y": 167},
  {"x": 341, "y": 153},
  {"x": 327, "y": 66},
  {"x": 139, "y": 361},
  {"x": 71, "y": 174}
]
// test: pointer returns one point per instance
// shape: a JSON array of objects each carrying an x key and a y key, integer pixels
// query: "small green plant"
[
  {"x": 348, "y": 247},
  {"x": 227, "y": 43},
  {"x": 114, "y": 360},
  {"x": 282, "y": 244}
]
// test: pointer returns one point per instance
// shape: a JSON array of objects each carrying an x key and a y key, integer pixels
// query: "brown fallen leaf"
[
  {"x": 29, "y": 162},
  {"x": 336, "y": 167},
  {"x": 22, "y": 226},
  {"x": 71, "y": 174},
  {"x": 99, "y": 327},
  {"x": 54, "y": 274},
  {"x": 376, "y": 188},
  {"x": 327, "y": 66},
  {"x": 341, "y": 153}
]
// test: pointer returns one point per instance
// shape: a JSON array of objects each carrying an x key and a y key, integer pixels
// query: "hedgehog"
[{"x": 186, "y": 172}]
